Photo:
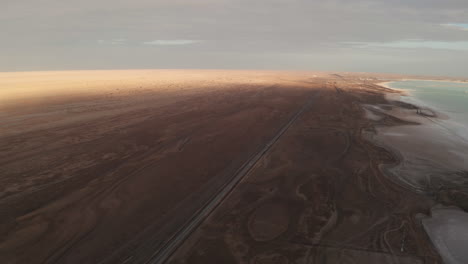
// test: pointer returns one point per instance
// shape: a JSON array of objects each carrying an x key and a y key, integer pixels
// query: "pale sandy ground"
[{"x": 448, "y": 230}]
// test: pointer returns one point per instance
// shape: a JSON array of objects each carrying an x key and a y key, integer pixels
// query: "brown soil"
[
  {"x": 105, "y": 170},
  {"x": 319, "y": 196}
]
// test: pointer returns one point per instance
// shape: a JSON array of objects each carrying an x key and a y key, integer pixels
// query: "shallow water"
[
  {"x": 435, "y": 153},
  {"x": 446, "y": 96},
  {"x": 449, "y": 98}
]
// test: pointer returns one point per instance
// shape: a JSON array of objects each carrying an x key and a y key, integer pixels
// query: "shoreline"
[
  {"x": 397, "y": 90},
  {"x": 433, "y": 152},
  {"x": 427, "y": 122},
  {"x": 385, "y": 84}
]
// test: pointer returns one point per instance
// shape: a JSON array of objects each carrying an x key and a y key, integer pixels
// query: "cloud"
[
  {"x": 457, "y": 26},
  {"x": 290, "y": 33},
  {"x": 171, "y": 42},
  {"x": 413, "y": 44}
]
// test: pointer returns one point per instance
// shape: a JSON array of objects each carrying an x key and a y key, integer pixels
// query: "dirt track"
[{"x": 106, "y": 173}]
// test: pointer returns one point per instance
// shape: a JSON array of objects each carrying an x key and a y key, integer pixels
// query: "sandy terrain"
[{"x": 105, "y": 166}]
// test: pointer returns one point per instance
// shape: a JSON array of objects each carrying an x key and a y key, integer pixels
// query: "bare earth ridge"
[{"x": 106, "y": 166}]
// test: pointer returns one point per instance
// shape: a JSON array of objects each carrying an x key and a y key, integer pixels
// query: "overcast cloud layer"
[{"x": 402, "y": 36}]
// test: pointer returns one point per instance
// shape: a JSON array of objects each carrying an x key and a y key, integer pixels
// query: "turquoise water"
[{"x": 448, "y": 97}]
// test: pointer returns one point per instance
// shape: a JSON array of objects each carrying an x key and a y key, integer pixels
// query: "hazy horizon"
[{"x": 424, "y": 37}]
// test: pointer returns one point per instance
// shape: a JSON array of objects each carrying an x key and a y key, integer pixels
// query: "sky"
[{"x": 396, "y": 36}]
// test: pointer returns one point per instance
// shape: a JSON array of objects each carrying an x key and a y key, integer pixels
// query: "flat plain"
[{"x": 106, "y": 166}]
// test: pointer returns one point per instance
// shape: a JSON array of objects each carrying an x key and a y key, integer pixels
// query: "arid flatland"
[{"x": 106, "y": 166}]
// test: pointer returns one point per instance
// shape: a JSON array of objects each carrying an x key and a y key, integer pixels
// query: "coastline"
[
  {"x": 384, "y": 84},
  {"x": 432, "y": 161},
  {"x": 424, "y": 123},
  {"x": 397, "y": 91}
]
